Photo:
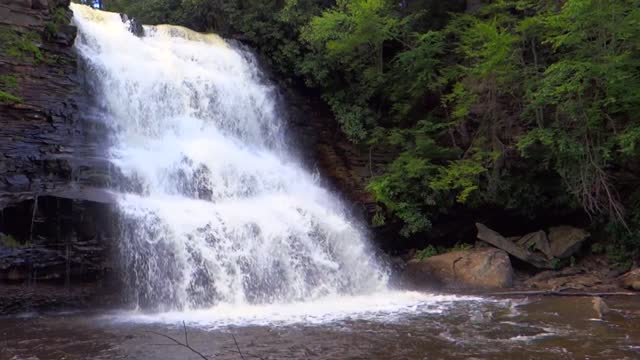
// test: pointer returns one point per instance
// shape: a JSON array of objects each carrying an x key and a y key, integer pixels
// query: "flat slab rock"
[{"x": 469, "y": 269}]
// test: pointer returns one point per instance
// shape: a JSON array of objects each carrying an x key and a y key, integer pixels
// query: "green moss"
[
  {"x": 7, "y": 98},
  {"x": 58, "y": 19},
  {"x": 21, "y": 46},
  {"x": 8, "y": 82},
  {"x": 9, "y": 241}
]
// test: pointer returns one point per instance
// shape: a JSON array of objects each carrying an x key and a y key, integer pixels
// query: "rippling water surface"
[{"x": 415, "y": 326}]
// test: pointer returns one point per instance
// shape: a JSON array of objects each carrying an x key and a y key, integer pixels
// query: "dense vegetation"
[{"x": 527, "y": 105}]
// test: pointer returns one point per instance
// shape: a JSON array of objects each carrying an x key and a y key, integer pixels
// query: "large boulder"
[
  {"x": 476, "y": 269},
  {"x": 566, "y": 240},
  {"x": 631, "y": 280}
]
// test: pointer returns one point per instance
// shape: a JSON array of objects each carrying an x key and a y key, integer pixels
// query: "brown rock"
[
  {"x": 569, "y": 278},
  {"x": 631, "y": 280},
  {"x": 479, "y": 269},
  {"x": 600, "y": 307},
  {"x": 536, "y": 241},
  {"x": 499, "y": 241},
  {"x": 566, "y": 240}
]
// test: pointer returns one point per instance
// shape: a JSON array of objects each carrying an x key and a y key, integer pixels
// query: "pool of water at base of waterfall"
[{"x": 444, "y": 328}]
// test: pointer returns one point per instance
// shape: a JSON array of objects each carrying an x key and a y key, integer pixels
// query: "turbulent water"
[{"x": 219, "y": 210}]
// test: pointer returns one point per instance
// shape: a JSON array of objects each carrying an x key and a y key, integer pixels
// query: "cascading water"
[{"x": 223, "y": 214}]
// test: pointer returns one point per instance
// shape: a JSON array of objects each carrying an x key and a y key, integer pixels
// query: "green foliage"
[
  {"x": 597, "y": 248},
  {"x": 591, "y": 88},
  {"x": 347, "y": 59},
  {"x": 427, "y": 252},
  {"x": 624, "y": 247},
  {"x": 378, "y": 219}
]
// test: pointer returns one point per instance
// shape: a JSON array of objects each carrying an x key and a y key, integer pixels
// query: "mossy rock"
[{"x": 22, "y": 46}]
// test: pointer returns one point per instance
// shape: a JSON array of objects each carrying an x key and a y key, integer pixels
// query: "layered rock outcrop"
[
  {"x": 55, "y": 226},
  {"x": 48, "y": 141}
]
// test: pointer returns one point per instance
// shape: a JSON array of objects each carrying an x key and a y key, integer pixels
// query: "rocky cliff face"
[{"x": 54, "y": 212}]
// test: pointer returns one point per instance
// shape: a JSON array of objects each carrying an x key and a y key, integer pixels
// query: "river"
[{"x": 439, "y": 328}]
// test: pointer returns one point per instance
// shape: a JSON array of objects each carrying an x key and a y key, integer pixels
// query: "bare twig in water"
[
  {"x": 186, "y": 345},
  {"x": 238, "y": 347},
  {"x": 179, "y": 343},
  {"x": 186, "y": 337}
]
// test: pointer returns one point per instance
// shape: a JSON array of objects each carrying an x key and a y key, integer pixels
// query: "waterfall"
[{"x": 219, "y": 210}]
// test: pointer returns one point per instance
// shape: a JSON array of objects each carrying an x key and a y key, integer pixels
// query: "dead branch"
[
  {"x": 237, "y": 347},
  {"x": 184, "y": 344}
]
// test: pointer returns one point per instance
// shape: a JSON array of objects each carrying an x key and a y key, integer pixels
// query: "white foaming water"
[
  {"x": 384, "y": 306},
  {"x": 219, "y": 217}
]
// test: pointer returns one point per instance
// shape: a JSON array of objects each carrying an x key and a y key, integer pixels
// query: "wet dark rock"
[
  {"x": 46, "y": 144},
  {"x": 18, "y": 181},
  {"x": 66, "y": 35},
  {"x": 39, "y": 4},
  {"x": 20, "y": 3},
  {"x": 55, "y": 212},
  {"x": 134, "y": 26}
]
